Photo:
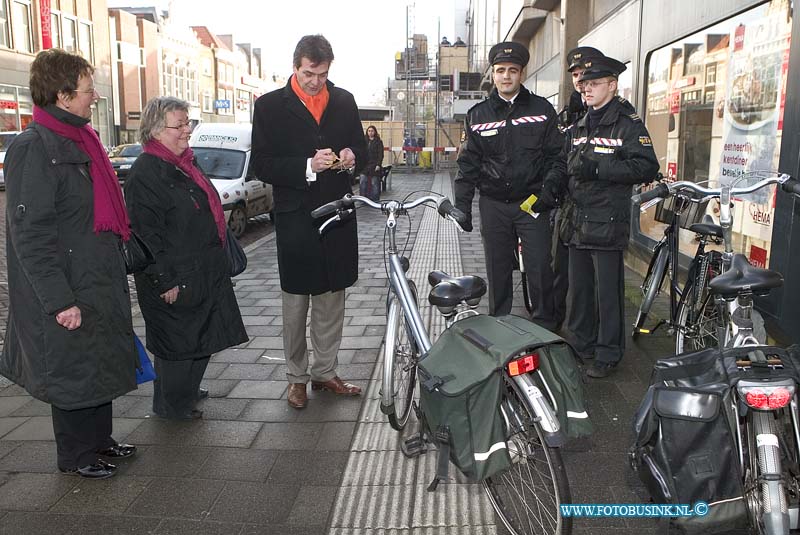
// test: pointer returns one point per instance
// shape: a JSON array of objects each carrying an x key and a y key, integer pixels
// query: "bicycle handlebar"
[{"x": 665, "y": 189}]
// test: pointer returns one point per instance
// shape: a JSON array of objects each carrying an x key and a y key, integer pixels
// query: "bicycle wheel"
[
  {"x": 400, "y": 366},
  {"x": 527, "y": 496},
  {"x": 697, "y": 313},
  {"x": 651, "y": 285}
]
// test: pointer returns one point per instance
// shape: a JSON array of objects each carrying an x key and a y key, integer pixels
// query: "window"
[
  {"x": 55, "y": 29},
  {"x": 5, "y": 32},
  {"x": 207, "y": 67},
  {"x": 208, "y": 102},
  {"x": 706, "y": 127},
  {"x": 23, "y": 31},
  {"x": 85, "y": 43},
  {"x": 70, "y": 34}
]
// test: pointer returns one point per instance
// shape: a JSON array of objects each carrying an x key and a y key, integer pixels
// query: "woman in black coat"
[
  {"x": 69, "y": 341},
  {"x": 370, "y": 185},
  {"x": 186, "y": 296}
]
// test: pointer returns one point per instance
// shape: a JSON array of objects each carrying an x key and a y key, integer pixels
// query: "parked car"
[
  {"x": 122, "y": 158},
  {"x": 222, "y": 151},
  {"x": 5, "y": 140}
]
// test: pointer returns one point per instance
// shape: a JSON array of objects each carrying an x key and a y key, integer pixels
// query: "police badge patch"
[{"x": 645, "y": 141}]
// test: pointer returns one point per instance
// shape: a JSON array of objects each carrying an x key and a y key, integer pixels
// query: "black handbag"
[
  {"x": 236, "y": 255},
  {"x": 136, "y": 253}
]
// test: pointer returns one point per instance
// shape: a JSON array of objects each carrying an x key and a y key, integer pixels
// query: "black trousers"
[
  {"x": 501, "y": 224},
  {"x": 176, "y": 384},
  {"x": 80, "y": 434},
  {"x": 597, "y": 303},
  {"x": 560, "y": 254}
]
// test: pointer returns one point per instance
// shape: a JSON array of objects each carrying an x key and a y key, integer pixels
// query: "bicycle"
[
  {"x": 688, "y": 315},
  {"x": 764, "y": 399},
  {"x": 520, "y": 265},
  {"x": 526, "y": 496}
]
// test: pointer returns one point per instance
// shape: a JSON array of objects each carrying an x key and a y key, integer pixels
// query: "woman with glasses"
[
  {"x": 69, "y": 340},
  {"x": 186, "y": 296}
]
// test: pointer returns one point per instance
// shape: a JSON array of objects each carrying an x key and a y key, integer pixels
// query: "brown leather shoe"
[
  {"x": 297, "y": 395},
  {"x": 337, "y": 386}
]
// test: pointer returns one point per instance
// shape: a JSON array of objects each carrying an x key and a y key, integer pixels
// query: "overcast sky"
[{"x": 365, "y": 35}]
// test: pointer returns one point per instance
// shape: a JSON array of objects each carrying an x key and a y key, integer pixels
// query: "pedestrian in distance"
[
  {"x": 370, "y": 183},
  {"x": 305, "y": 137},
  {"x": 560, "y": 217},
  {"x": 611, "y": 151},
  {"x": 186, "y": 296},
  {"x": 69, "y": 340},
  {"x": 514, "y": 154}
]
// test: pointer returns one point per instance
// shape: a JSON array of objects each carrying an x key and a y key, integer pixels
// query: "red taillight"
[
  {"x": 526, "y": 364},
  {"x": 768, "y": 398}
]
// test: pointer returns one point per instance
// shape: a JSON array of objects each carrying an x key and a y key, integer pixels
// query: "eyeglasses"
[
  {"x": 179, "y": 126},
  {"x": 591, "y": 84},
  {"x": 92, "y": 91}
]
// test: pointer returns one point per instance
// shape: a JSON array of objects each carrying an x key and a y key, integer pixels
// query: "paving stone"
[
  {"x": 269, "y": 410},
  {"x": 144, "y": 390},
  {"x": 190, "y": 527},
  {"x": 34, "y": 492},
  {"x": 288, "y": 436},
  {"x": 196, "y": 433},
  {"x": 336, "y": 436},
  {"x": 36, "y": 457},
  {"x": 8, "y": 424},
  {"x": 351, "y": 372},
  {"x": 238, "y": 464},
  {"x": 123, "y": 404},
  {"x": 10, "y": 404},
  {"x": 257, "y": 372},
  {"x": 13, "y": 390},
  {"x": 283, "y": 529},
  {"x": 313, "y": 506},
  {"x": 177, "y": 498},
  {"x": 259, "y": 389},
  {"x": 237, "y": 355},
  {"x": 164, "y": 461},
  {"x": 222, "y": 409},
  {"x": 258, "y": 503},
  {"x": 106, "y": 497},
  {"x": 266, "y": 342},
  {"x": 215, "y": 369},
  {"x": 74, "y": 524},
  {"x": 34, "y": 428},
  {"x": 218, "y": 388},
  {"x": 341, "y": 409},
  {"x": 302, "y": 468}
]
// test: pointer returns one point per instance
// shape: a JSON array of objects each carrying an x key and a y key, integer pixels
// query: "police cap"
[
  {"x": 601, "y": 67},
  {"x": 577, "y": 56},
  {"x": 509, "y": 52}
]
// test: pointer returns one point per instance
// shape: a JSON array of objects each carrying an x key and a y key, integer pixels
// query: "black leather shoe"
[
  {"x": 202, "y": 393},
  {"x": 118, "y": 451},
  {"x": 98, "y": 470}
]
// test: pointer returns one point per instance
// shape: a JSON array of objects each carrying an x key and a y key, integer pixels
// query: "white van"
[{"x": 222, "y": 151}]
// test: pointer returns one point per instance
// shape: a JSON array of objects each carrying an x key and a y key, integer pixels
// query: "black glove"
[
  {"x": 588, "y": 167},
  {"x": 466, "y": 225},
  {"x": 545, "y": 201}
]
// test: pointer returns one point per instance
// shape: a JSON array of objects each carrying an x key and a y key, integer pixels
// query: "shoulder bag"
[{"x": 236, "y": 255}]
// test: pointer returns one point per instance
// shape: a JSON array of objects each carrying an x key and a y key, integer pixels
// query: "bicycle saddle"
[
  {"x": 742, "y": 277},
  {"x": 449, "y": 291},
  {"x": 707, "y": 227}
]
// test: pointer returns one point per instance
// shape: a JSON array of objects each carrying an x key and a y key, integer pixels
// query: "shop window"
[
  {"x": 23, "y": 31},
  {"x": 85, "y": 42},
  {"x": 5, "y": 31},
  {"x": 70, "y": 34},
  {"x": 715, "y": 111},
  {"x": 55, "y": 29}
]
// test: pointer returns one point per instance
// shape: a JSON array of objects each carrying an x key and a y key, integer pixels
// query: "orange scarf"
[{"x": 316, "y": 104}]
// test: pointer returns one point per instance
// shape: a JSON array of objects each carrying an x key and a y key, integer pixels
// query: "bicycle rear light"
[
  {"x": 767, "y": 396},
  {"x": 524, "y": 364}
]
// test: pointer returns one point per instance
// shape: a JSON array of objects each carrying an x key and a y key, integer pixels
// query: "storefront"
[
  {"x": 717, "y": 94},
  {"x": 16, "y": 108}
]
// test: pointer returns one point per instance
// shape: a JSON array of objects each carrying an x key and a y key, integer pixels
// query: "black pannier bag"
[
  {"x": 685, "y": 447},
  {"x": 462, "y": 383}
]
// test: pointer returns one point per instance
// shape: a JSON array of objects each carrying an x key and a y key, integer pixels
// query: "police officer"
[
  {"x": 513, "y": 150},
  {"x": 611, "y": 151},
  {"x": 571, "y": 114}
]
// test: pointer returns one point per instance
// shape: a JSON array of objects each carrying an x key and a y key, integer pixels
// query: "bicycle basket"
[{"x": 693, "y": 213}]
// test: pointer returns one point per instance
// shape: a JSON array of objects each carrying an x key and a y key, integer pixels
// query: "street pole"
[
  {"x": 408, "y": 88},
  {"x": 435, "y": 155}
]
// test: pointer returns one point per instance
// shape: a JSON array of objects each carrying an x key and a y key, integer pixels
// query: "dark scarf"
[
  {"x": 185, "y": 162},
  {"x": 109, "y": 207},
  {"x": 593, "y": 117}
]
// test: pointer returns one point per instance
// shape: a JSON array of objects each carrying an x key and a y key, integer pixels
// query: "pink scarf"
[
  {"x": 185, "y": 163},
  {"x": 109, "y": 208}
]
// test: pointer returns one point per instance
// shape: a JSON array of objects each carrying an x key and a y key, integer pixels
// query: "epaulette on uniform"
[{"x": 635, "y": 117}]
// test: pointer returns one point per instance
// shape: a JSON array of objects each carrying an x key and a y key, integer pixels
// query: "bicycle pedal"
[{"x": 414, "y": 446}]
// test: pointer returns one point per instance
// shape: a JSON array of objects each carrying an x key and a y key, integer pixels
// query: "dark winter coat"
[
  {"x": 172, "y": 215},
  {"x": 55, "y": 260},
  {"x": 374, "y": 157},
  {"x": 511, "y": 152},
  {"x": 603, "y": 166},
  {"x": 285, "y": 136}
]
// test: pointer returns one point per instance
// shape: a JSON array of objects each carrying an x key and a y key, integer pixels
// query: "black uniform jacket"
[
  {"x": 511, "y": 151},
  {"x": 285, "y": 135},
  {"x": 172, "y": 215},
  {"x": 621, "y": 147},
  {"x": 56, "y": 260}
]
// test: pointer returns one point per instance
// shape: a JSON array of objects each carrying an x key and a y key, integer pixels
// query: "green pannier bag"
[{"x": 462, "y": 385}]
